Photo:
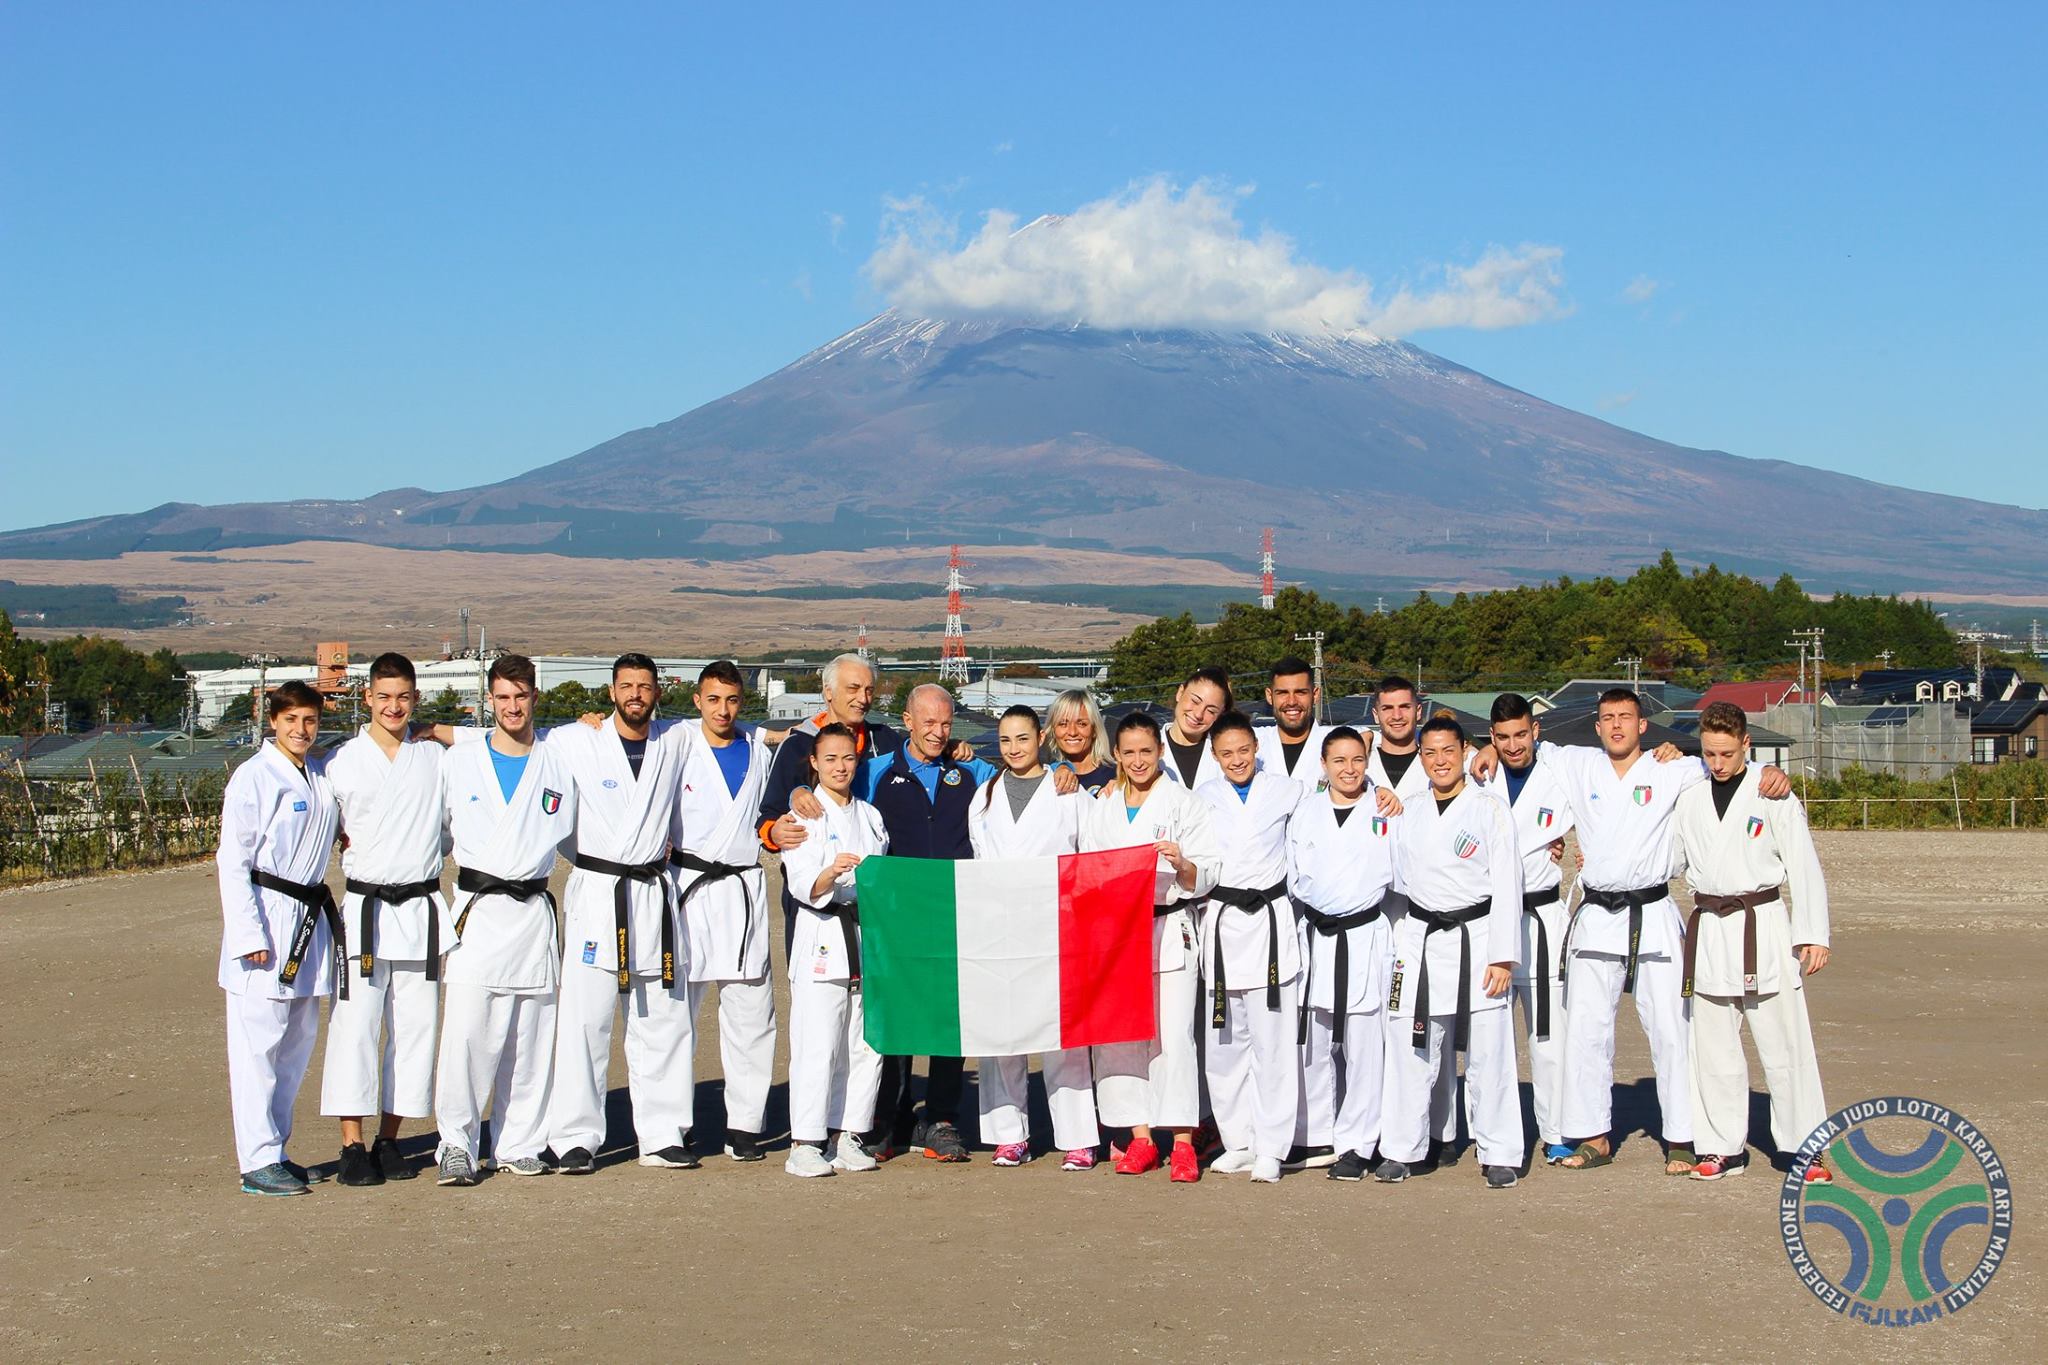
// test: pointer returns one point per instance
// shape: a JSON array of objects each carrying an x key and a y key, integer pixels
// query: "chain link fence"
[{"x": 105, "y": 822}]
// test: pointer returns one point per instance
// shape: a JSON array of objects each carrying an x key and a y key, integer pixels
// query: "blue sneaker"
[
  {"x": 273, "y": 1180},
  {"x": 1554, "y": 1152}
]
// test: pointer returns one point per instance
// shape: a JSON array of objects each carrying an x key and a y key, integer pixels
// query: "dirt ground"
[{"x": 122, "y": 1235}]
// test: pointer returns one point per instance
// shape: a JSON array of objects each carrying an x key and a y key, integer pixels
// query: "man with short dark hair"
[
  {"x": 1292, "y": 745},
  {"x": 621, "y": 943},
  {"x": 382, "y": 1035},
  {"x": 722, "y": 896},
  {"x": 1396, "y": 714}
]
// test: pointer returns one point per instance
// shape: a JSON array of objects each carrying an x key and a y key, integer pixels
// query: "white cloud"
[
  {"x": 802, "y": 283},
  {"x": 835, "y": 223},
  {"x": 1641, "y": 289},
  {"x": 1614, "y": 402},
  {"x": 1004, "y": 148},
  {"x": 1160, "y": 256}
]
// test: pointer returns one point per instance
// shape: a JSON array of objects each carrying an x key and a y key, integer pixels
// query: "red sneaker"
[
  {"x": 1141, "y": 1156},
  {"x": 1186, "y": 1165},
  {"x": 1819, "y": 1174}
]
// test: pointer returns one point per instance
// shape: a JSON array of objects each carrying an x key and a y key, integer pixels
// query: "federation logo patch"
[
  {"x": 1379, "y": 826},
  {"x": 1641, "y": 796},
  {"x": 589, "y": 951},
  {"x": 1545, "y": 817},
  {"x": 1466, "y": 845},
  {"x": 1756, "y": 827},
  {"x": 550, "y": 800},
  {"x": 952, "y": 777},
  {"x": 611, "y": 782}
]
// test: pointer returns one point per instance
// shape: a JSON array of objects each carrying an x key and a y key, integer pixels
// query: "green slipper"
[{"x": 1589, "y": 1157}]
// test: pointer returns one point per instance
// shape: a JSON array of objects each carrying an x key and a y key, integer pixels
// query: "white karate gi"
[
  {"x": 725, "y": 920},
  {"x": 1158, "y": 1083},
  {"x": 622, "y": 820},
  {"x": 1758, "y": 844},
  {"x": 381, "y": 1040},
  {"x": 833, "y": 1073},
  {"x": 1308, "y": 765},
  {"x": 1414, "y": 783},
  {"x": 1206, "y": 765},
  {"x": 1543, "y": 814},
  {"x": 1624, "y": 827},
  {"x": 280, "y": 821},
  {"x": 1050, "y": 826},
  {"x": 1446, "y": 861},
  {"x": 498, "y": 1036},
  {"x": 1253, "y": 1063},
  {"x": 1336, "y": 871}
]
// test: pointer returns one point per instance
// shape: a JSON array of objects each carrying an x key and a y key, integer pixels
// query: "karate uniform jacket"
[
  {"x": 391, "y": 811},
  {"x": 274, "y": 818},
  {"x": 1445, "y": 861},
  {"x": 1624, "y": 824},
  {"x": 1759, "y": 843},
  {"x": 1308, "y": 768},
  {"x": 726, "y": 921},
  {"x": 1542, "y": 814},
  {"x": 1206, "y": 766},
  {"x": 1253, "y": 835},
  {"x": 1171, "y": 812},
  {"x": 508, "y": 944},
  {"x": 1050, "y": 825},
  {"x": 1340, "y": 870},
  {"x": 818, "y": 949},
  {"x": 623, "y": 820}
]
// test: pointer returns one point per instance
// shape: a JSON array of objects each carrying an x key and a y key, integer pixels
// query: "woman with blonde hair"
[{"x": 1075, "y": 736}]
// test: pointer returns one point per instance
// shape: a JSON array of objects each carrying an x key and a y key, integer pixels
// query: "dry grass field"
[{"x": 123, "y": 1236}]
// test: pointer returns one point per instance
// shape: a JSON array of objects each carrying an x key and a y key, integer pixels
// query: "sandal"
[
  {"x": 1587, "y": 1156},
  {"x": 1684, "y": 1158}
]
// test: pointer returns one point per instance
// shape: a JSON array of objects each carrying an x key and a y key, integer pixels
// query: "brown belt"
[{"x": 1746, "y": 905}]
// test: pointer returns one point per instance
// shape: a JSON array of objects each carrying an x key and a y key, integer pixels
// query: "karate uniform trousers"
[
  {"x": 1254, "y": 1068},
  {"x": 498, "y": 1045},
  {"x": 270, "y": 1045},
  {"x": 1158, "y": 1083},
  {"x": 1783, "y": 1035},
  {"x": 381, "y": 1042},
  {"x": 1069, "y": 1097},
  {"x": 1592, "y": 1001},
  {"x": 660, "y": 1059},
  {"x": 1413, "y": 1074}
]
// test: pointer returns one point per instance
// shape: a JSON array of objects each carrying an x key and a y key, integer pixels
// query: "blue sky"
[{"x": 277, "y": 251}]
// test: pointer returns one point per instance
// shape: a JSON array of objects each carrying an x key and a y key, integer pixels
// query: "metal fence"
[
  {"x": 1920, "y": 743},
  {"x": 105, "y": 822},
  {"x": 1928, "y": 812}
]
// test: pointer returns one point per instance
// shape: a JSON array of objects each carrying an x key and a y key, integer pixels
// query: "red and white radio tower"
[
  {"x": 862, "y": 650},
  {"x": 1266, "y": 570},
  {"x": 953, "y": 649}
]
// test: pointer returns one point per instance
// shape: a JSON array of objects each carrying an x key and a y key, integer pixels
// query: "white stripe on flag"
[{"x": 1008, "y": 913}]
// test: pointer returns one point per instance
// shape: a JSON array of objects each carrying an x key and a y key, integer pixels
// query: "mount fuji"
[{"x": 1376, "y": 461}]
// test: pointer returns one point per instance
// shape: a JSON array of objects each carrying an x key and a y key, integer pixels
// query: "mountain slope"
[{"x": 1377, "y": 460}]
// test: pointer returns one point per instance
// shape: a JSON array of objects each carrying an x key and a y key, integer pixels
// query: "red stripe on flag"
[{"x": 1106, "y": 947}]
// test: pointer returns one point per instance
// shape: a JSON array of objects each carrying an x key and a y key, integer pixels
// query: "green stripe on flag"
[{"x": 909, "y": 951}]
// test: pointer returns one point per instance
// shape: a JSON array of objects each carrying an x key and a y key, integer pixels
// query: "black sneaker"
[
  {"x": 1350, "y": 1166},
  {"x": 1391, "y": 1172},
  {"x": 390, "y": 1160},
  {"x": 1442, "y": 1154},
  {"x": 576, "y": 1161},
  {"x": 673, "y": 1158},
  {"x": 942, "y": 1142},
  {"x": 742, "y": 1146},
  {"x": 1310, "y": 1158},
  {"x": 357, "y": 1168},
  {"x": 1501, "y": 1177},
  {"x": 274, "y": 1179}
]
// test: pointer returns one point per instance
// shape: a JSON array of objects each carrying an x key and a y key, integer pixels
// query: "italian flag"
[{"x": 1002, "y": 957}]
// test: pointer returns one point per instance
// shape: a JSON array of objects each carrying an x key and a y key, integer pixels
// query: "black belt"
[
  {"x": 1633, "y": 902},
  {"x": 622, "y": 911},
  {"x": 1746, "y": 905},
  {"x": 849, "y": 930},
  {"x": 1238, "y": 898},
  {"x": 315, "y": 902},
  {"x": 1432, "y": 922},
  {"x": 708, "y": 872},
  {"x": 1162, "y": 911},
  {"x": 395, "y": 893},
  {"x": 479, "y": 884},
  {"x": 1338, "y": 927},
  {"x": 1532, "y": 901}
]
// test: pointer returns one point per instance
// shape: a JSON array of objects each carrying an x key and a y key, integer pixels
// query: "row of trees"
[
  {"x": 90, "y": 677},
  {"x": 1696, "y": 628}
]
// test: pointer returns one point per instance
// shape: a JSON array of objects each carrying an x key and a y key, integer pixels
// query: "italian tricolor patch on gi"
[
  {"x": 550, "y": 800},
  {"x": 1466, "y": 845},
  {"x": 1545, "y": 817},
  {"x": 1006, "y": 956},
  {"x": 1756, "y": 827},
  {"x": 1641, "y": 796},
  {"x": 1379, "y": 826}
]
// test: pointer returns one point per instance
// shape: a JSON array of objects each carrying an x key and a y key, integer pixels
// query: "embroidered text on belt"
[
  {"x": 1338, "y": 927},
  {"x": 1746, "y": 905},
  {"x": 622, "y": 911},
  {"x": 1434, "y": 923},
  {"x": 1532, "y": 901},
  {"x": 479, "y": 884},
  {"x": 1633, "y": 902},
  {"x": 315, "y": 903},
  {"x": 709, "y": 872},
  {"x": 395, "y": 893},
  {"x": 1238, "y": 898}
]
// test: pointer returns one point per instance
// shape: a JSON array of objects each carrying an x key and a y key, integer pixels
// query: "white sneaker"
[
  {"x": 1265, "y": 1171},
  {"x": 853, "y": 1156},
  {"x": 1233, "y": 1163},
  {"x": 806, "y": 1160}
]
